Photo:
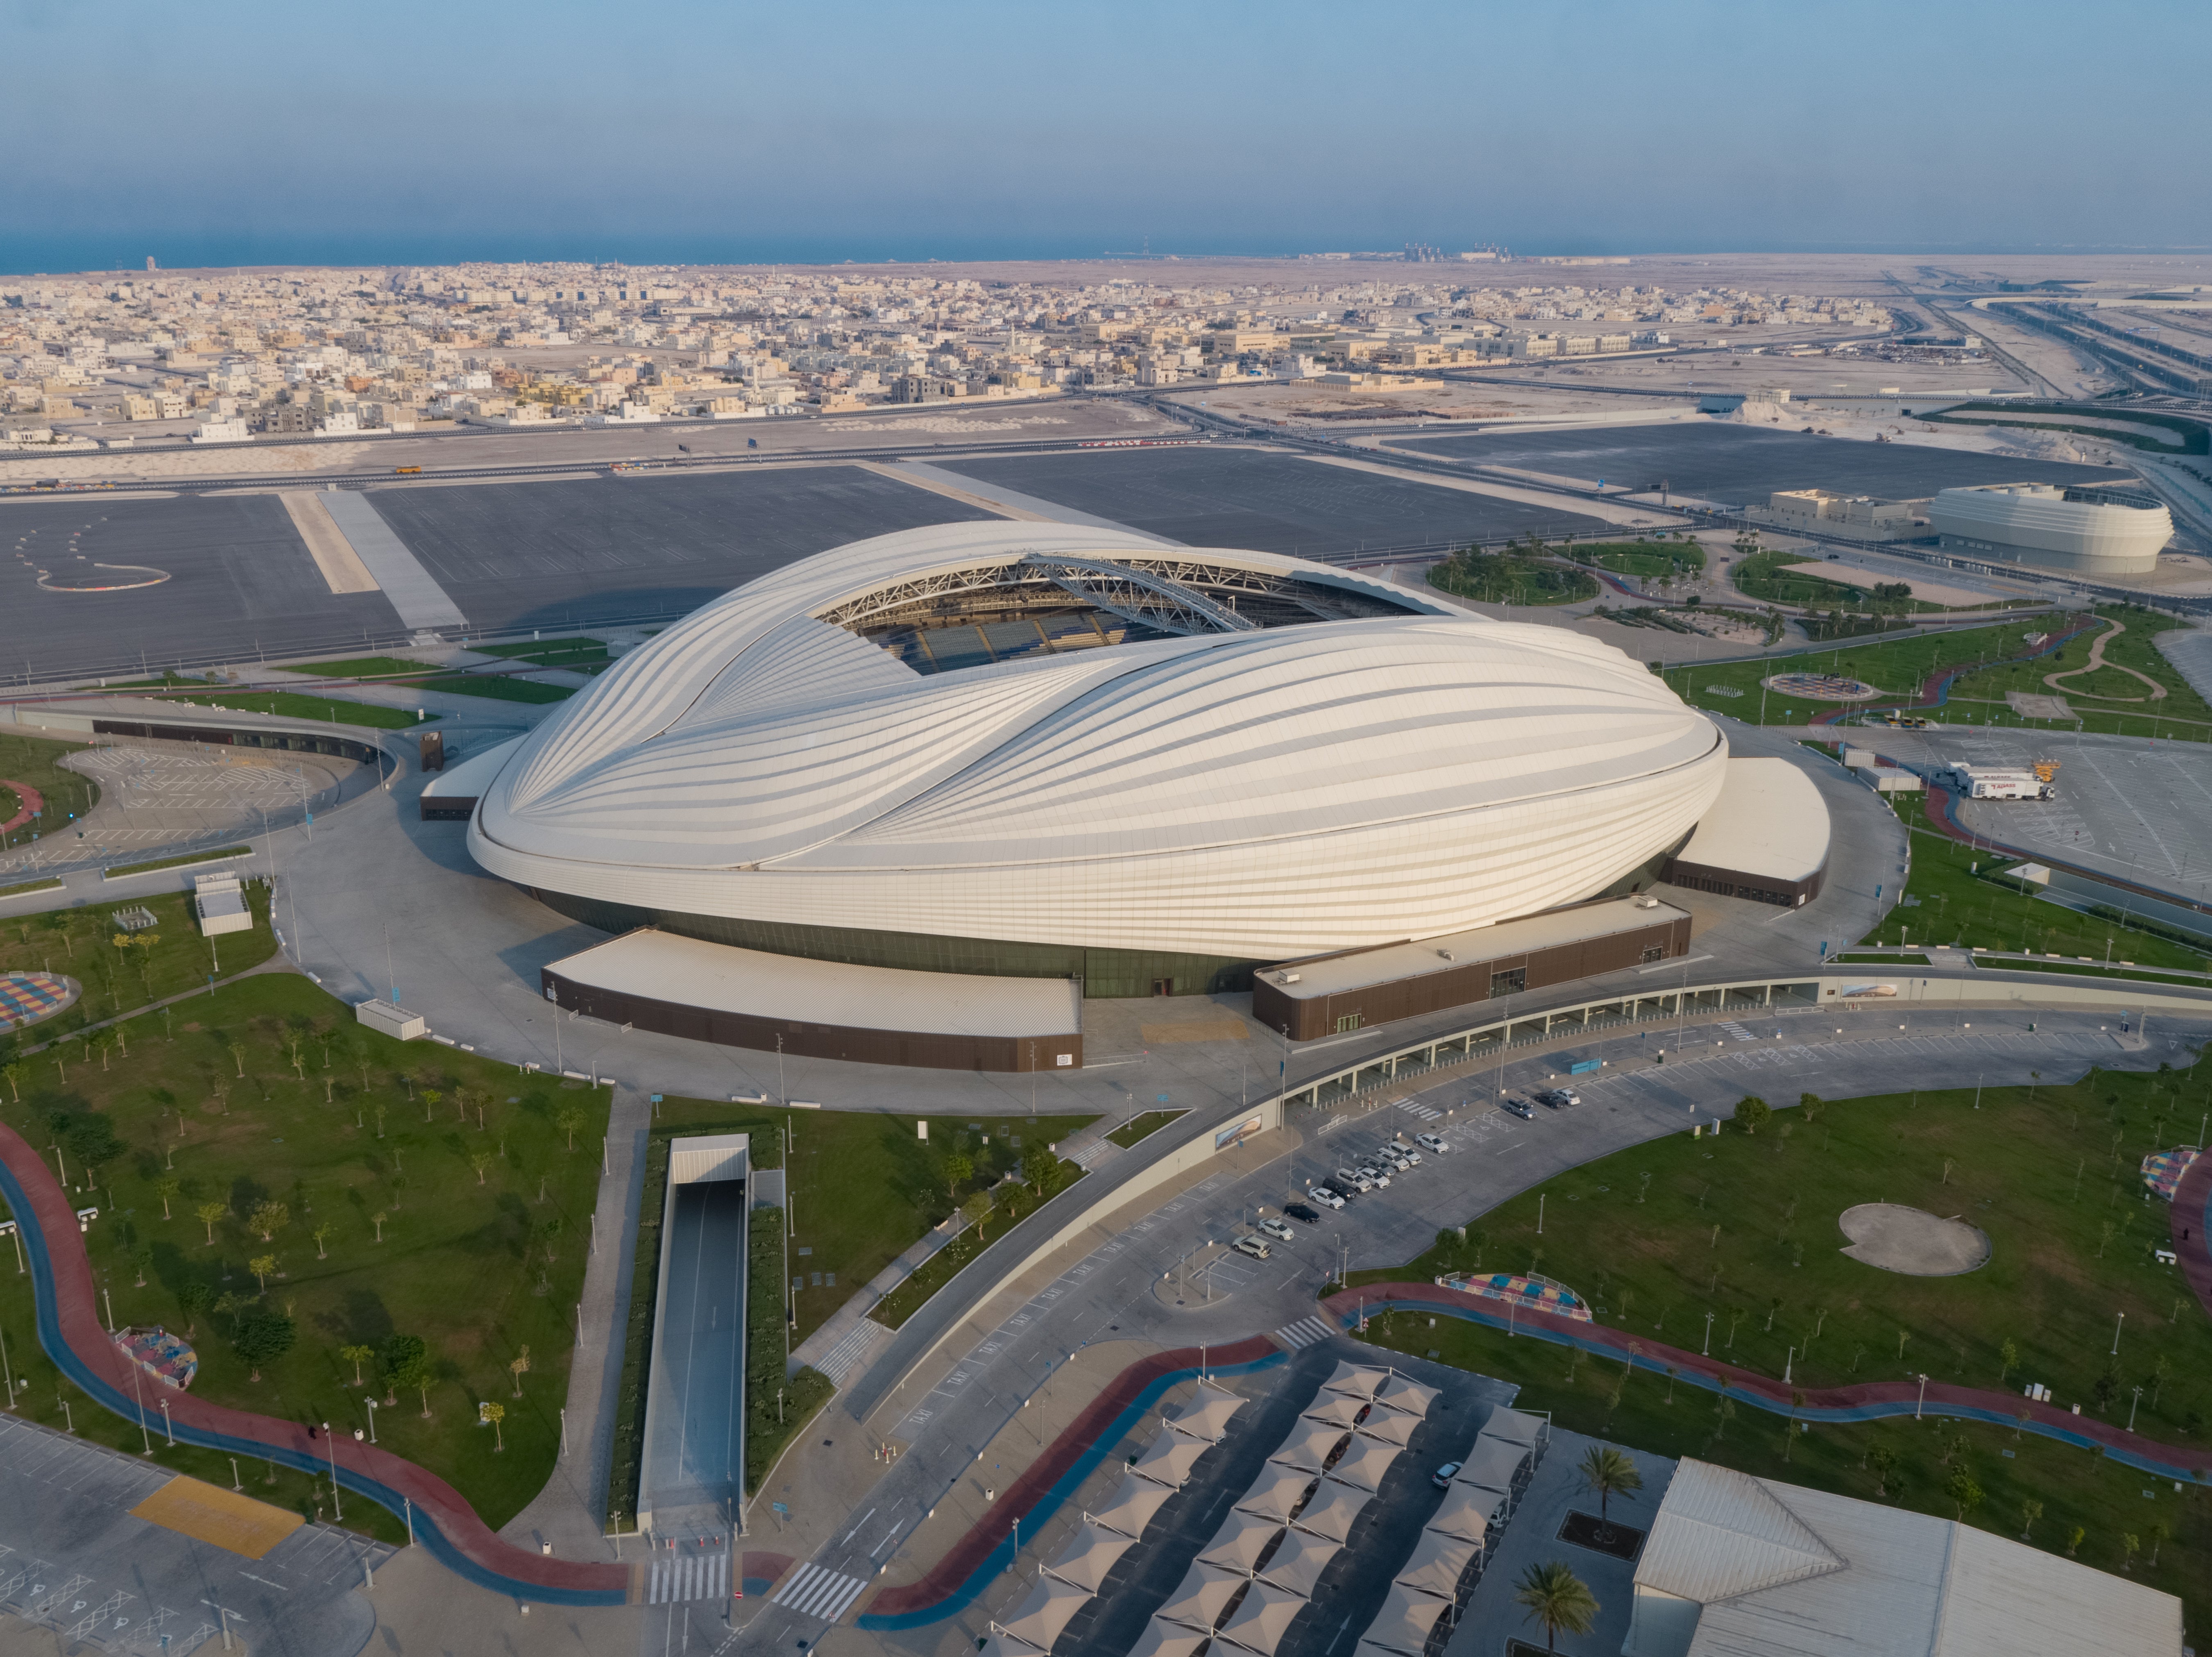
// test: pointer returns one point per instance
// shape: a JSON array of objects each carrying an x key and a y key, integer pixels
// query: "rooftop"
[{"x": 1769, "y": 820}]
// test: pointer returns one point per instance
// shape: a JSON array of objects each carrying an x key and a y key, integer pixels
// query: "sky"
[{"x": 237, "y": 131}]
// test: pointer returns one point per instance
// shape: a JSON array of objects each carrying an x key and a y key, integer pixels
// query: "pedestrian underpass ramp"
[{"x": 229, "y": 1519}]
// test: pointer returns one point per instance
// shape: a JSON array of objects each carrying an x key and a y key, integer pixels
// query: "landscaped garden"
[
  {"x": 293, "y": 705},
  {"x": 1741, "y": 1228},
  {"x": 331, "y": 1216},
  {"x": 35, "y": 763},
  {"x": 1529, "y": 573},
  {"x": 1773, "y": 578},
  {"x": 121, "y": 970},
  {"x": 1651, "y": 559}
]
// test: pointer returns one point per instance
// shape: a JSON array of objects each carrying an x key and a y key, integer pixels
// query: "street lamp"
[
  {"x": 1706, "y": 1351},
  {"x": 372, "y": 1421},
  {"x": 337, "y": 1506},
  {"x": 1922, "y": 1399},
  {"x": 2116, "y": 1333},
  {"x": 2132, "y": 1408}
]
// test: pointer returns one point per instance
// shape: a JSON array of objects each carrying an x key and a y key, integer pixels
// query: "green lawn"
[
  {"x": 1511, "y": 578},
  {"x": 583, "y": 656},
  {"x": 121, "y": 870},
  {"x": 80, "y": 942},
  {"x": 484, "y": 1229},
  {"x": 1639, "y": 557},
  {"x": 35, "y": 762},
  {"x": 363, "y": 667},
  {"x": 1958, "y": 905},
  {"x": 1137, "y": 1127},
  {"x": 2104, "y": 1499},
  {"x": 2127, "y": 709},
  {"x": 1768, "y": 577},
  {"x": 291, "y": 704},
  {"x": 1897, "y": 667},
  {"x": 498, "y": 688}
]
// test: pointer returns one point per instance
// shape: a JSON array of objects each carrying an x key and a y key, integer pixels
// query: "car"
[
  {"x": 1443, "y": 1477},
  {"x": 1375, "y": 1176},
  {"x": 1559, "y": 1098},
  {"x": 1302, "y": 1215},
  {"x": 1349, "y": 1180},
  {"x": 1518, "y": 1105},
  {"x": 1391, "y": 1158},
  {"x": 1253, "y": 1246},
  {"x": 1407, "y": 1156},
  {"x": 1429, "y": 1142},
  {"x": 1275, "y": 1227},
  {"x": 1328, "y": 1195}
]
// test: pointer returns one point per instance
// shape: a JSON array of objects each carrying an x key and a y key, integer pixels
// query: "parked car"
[
  {"x": 1443, "y": 1477},
  {"x": 1349, "y": 1180},
  {"x": 1407, "y": 1156},
  {"x": 1328, "y": 1195},
  {"x": 1375, "y": 1176},
  {"x": 1518, "y": 1105},
  {"x": 1392, "y": 1158},
  {"x": 1253, "y": 1246},
  {"x": 1429, "y": 1142},
  {"x": 1302, "y": 1215},
  {"x": 1275, "y": 1227},
  {"x": 1559, "y": 1098}
]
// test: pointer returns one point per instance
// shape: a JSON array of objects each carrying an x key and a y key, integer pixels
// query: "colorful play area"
[
  {"x": 28, "y": 997},
  {"x": 1523, "y": 1289}
]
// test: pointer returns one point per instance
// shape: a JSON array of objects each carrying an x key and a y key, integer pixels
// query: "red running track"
[
  {"x": 75, "y": 1308},
  {"x": 32, "y": 803}
]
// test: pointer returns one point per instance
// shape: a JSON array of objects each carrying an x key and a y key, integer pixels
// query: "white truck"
[{"x": 1992, "y": 781}]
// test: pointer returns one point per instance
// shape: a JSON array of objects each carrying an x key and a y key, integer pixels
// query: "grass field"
[
  {"x": 2126, "y": 707},
  {"x": 34, "y": 763},
  {"x": 363, "y": 667},
  {"x": 1639, "y": 557},
  {"x": 497, "y": 687},
  {"x": 582, "y": 655},
  {"x": 81, "y": 942},
  {"x": 1511, "y": 578},
  {"x": 1898, "y": 668},
  {"x": 1743, "y": 1226},
  {"x": 178, "y": 861},
  {"x": 1137, "y": 1127},
  {"x": 399, "y": 1218},
  {"x": 292, "y": 704}
]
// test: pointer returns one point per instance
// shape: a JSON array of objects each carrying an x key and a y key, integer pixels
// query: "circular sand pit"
[{"x": 1893, "y": 1238}]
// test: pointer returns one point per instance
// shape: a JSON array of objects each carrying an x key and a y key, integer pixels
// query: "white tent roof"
[
  {"x": 1364, "y": 1463},
  {"x": 1091, "y": 1552},
  {"x": 1300, "y": 1561},
  {"x": 1005, "y": 1645},
  {"x": 1439, "y": 1562},
  {"x": 1513, "y": 1426},
  {"x": 1721, "y": 1533},
  {"x": 1391, "y": 1426},
  {"x": 1337, "y": 1409},
  {"x": 1169, "y": 1458},
  {"x": 1410, "y": 1396},
  {"x": 1242, "y": 1540},
  {"x": 1360, "y": 1380},
  {"x": 1207, "y": 1415},
  {"x": 1133, "y": 1506},
  {"x": 1467, "y": 1512},
  {"x": 1048, "y": 1607},
  {"x": 1200, "y": 1597},
  {"x": 1276, "y": 1492},
  {"x": 1332, "y": 1510},
  {"x": 1309, "y": 1446},
  {"x": 1263, "y": 1619},
  {"x": 1404, "y": 1622},
  {"x": 1162, "y": 1638},
  {"x": 1492, "y": 1464}
]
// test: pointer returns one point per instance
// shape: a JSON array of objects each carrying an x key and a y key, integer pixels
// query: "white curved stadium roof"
[{"x": 1242, "y": 790}]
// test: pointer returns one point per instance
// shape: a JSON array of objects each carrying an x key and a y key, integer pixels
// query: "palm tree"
[
  {"x": 1606, "y": 1473},
  {"x": 495, "y": 1413},
  {"x": 165, "y": 1188},
  {"x": 208, "y": 1214},
  {"x": 1554, "y": 1595},
  {"x": 357, "y": 1356}
]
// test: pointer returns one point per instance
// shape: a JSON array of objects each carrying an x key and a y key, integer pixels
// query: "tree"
[
  {"x": 959, "y": 1169},
  {"x": 407, "y": 1364},
  {"x": 2029, "y": 1513},
  {"x": 165, "y": 1188},
  {"x": 1041, "y": 1169},
  {"x": 432, "y": 1098},
  {"x": 1608, "y": 1472},
  {"x": 263, "y": 1267},
  {"x": 569, "y": 1119},
  {"x": 237, "y": 1051},
  {"x": 495, "y": 1413},
  {"x": 1751, "y": 1112},
  {"x": 2007, "y": 1360},
  {"x": 357, "y": 1356},
  {"x": 263, "y": 1338},
  {"x": 321, "y": 1234},
  {"x": 269, "y": 1217},
  {"x": 194, "y": 1298},
  {"x": 2158, "y": 1533},
  {"x": 1810, "y": 1106},
  {"x": 141, "y": 1258},
  {"x": 975, "y": 1210},
  {"x": 520, "y": 1364},
  {"x": 1883, "y": 1460},
  {"x": 1554, "y": 1595},
  {"x": 2130, "y": 1545},
  {"x": 2074, "y": 1539},
  {"x": 16, "y": 1073},
  {"x": 1966, "y": 1495},
  {"x": 377, "y": 1220},
  {"x": 208, "y": 1214},
  {"x": 482, "y": 1161}
]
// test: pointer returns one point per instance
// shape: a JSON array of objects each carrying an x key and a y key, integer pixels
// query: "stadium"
[{"x": 1049, "y": 751}]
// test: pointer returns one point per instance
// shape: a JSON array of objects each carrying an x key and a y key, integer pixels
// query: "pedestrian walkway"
[
  {"x": 814, "y": 1592},
  {"x": 680, "y": 1577},
  {"x": 1303, "y": 1333},
  {"x": 847, "y": 1336}
]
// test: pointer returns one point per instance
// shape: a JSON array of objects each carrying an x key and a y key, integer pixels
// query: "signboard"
[
  {"x": 1236, "y": 1134},
  {"x": 1584, "y": 1067}
]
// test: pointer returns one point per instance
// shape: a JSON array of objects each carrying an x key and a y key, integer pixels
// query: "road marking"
[
  {"x": 688, "y": 1577},
  {"x": 816, "y": 1592},
  {"x": 1427, "y": 1113},
  {"x": 841, "y": 1357},
  {"x": 1302, "y": 1333},
  {"x": 413, "y": 591}
]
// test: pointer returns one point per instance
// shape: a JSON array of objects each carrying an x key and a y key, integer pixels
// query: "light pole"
[
  {"x": 6, "y": 1371},
  {"x": 1706, "y": 1351},
  {"x": 372, "y": 1421},
  {"x": 1922, "y": 1399},
  {"x": 2122, "y": 1318},
  {"x": 1786, "y": 1364},
  {"x": 1540, "y": 1214},
  {"x": 2132, "y": 1408},
  {"x": 337, "y": 1506},
  {"x": 168, "y": 1427}
]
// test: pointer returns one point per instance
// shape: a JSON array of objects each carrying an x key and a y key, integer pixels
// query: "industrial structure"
[{"x": 2088, "y": 532}]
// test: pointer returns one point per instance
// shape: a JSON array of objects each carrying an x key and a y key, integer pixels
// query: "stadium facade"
[{"x": 1049, "y": 751}]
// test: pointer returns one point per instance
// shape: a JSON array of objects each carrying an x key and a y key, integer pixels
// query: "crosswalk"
[
  {"x": 843, "y": 1355},
  {"x": 1092, "y": 1152},
  {"x": 1426, "y": 1112},
  {"x": 1735, "y": 1032},
  {"x": 1304, "y": 1332},
  {"x": 815, "y": 1591},
  {"x": 690, "y": 1576}
]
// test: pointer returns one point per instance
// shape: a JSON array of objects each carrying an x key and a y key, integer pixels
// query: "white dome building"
[
  {"x": 1049, "y": 751},
  {"x": 2081, "y": 531}
]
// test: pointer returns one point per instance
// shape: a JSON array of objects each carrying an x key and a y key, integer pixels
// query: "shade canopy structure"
[
  {"x": 1002, "y": 1644},
  {"x": 1515, "y": 1427},
  {"x": 1298, "y": 1563},
  {"x": 1337, "y": 1409},
  {"x": 1162, "y": 1638},
  {"x": 1466, "y": 1511},
  {"x": 1403, "y": 1624},
  {"x": 1366, "y": 1463},
  {"x": 1494, "y": 1466},
  {"x": 1202, "y": 1595},
  {"x": 1275, "y": 1494},
  {"x": 1264, "y": 1617},
  {"x": 1332, "y": 1510},
  {"x": 1046, "y": 1608},
  {"x": 1360, "y": 1380},
  {"x": 1242, "y": 1537},
  {"x": 1133, "y": 1506},
  {"x": 1169, "y": 1459},
  {"x": 1391, "y": 1426},
  {"x": 1309, "y": 1446},
  {"x": 1090, "y": 1553},
  {"x": 1207, "y": 1416},
  {"x": 1437, "y": 1564},
  {"x": 1411, "y": 1396}
]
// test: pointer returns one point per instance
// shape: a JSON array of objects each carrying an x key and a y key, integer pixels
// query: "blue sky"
[{"x": 239, "y": 132}]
